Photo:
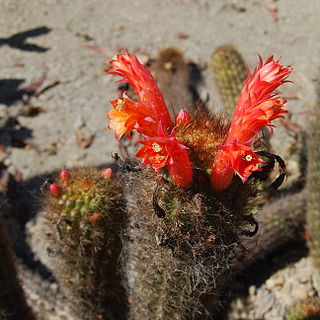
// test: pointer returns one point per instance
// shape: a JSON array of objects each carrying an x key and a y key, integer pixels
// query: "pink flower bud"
[
  {"x": 183, "y": 117},
  {"x": 64, "y": 174},
  {"x": 107, "y": 172},
  {"x": 54, "y": 189}
]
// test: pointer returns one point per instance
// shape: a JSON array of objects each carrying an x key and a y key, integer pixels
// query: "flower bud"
[
  {"x": 54, "y": 189},
  {"x": 64, "y": 174},
  {"x": 182, "y": 117},
  {"x": 107, "y": 172}
]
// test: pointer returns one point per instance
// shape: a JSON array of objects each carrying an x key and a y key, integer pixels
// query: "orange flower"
[
  {"x": 123, "y": 117},
  {"x": 162, "y": 151},
  {"x": 257, "y": 107},
  {"x": 138, "y": 76},
  {"x": 127, "y": 115}
]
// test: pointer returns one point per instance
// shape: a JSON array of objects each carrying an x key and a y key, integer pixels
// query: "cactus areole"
[{"x": 171, "y": 144}]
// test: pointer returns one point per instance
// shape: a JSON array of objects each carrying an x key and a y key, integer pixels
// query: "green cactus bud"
[
  {"x": 308, "y": 309},
  {"x": 12, "y": 302},
  {"x": 84, "y": 214},
  {"x": 229, "y": 71}
]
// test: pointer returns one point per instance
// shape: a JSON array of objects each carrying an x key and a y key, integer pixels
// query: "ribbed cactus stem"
[
  {"x": 85, "y": 218},
  {"x": 179, "y": 246},
  {"x": 281, "y": 221},
  {"x": 174, "y": 79},
  {"x": 313, "y": 186},
  {"x": 229, "y": 71},
  {"x": 12, "y": 302}
]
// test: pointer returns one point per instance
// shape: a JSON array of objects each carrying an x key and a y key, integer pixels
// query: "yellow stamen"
[
  {"x": 156, "y": 147},
  {"x": 120, "y": 104},
  {"x": 248, "y": 157}
]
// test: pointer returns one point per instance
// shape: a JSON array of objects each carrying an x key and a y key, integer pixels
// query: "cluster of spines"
[
  {"x": 178, "y": 263},
  {"x": 85, "y": 218},
  {"x": 313, "y": 186}
]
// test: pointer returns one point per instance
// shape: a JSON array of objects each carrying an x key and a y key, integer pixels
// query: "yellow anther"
[
  {"x": 120, "y": 104},
  {"x": 248, "y": 157},
  {"x": 156, "y": 147}
]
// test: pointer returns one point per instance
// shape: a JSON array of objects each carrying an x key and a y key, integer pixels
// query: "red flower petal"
[
  {"x": 162, "y": 151},
  {"x": 124, "y": 116},
  {"x": 257, "y": 107},
  {"x": 139, "y": 77}
]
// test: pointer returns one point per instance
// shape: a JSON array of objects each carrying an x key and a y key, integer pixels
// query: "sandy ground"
[{"x": 77, "y": 102}]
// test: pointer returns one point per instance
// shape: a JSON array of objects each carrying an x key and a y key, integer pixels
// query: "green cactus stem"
[
  {"x": 313, "y": 186},
  {"x": 12, "y": 302},
  {"x": 83, "y": 208},
  {"x": 229, "y": 71}
]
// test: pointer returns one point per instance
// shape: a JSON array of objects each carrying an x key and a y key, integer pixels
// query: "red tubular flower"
[
  {"x": 163, "y": 150},
  {"x": 138, "y": 76},
  {"x": 257, "y": 107},
  {"x": 150, "y": 117}
]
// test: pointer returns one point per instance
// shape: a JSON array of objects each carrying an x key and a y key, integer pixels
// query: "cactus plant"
[
  {"x": 180, "y": 246},
  {"x": 313, "y": 186},
  {"x": 229, "y": 71},
  {"x": 177, "y": 79},
  {"x": 83, "y": 208},
  {"x": 281, "y": 221},
  {"x": 189, "y": 208},
  {"x": 308, "y": 309}
]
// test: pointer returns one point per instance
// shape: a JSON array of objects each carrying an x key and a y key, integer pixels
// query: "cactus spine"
[
  {"x": 229, "y": 71},
  {"x": 313, "y": 186},
  {"x": 84, "y": 215},
  {"x": 180, "y": 245}
]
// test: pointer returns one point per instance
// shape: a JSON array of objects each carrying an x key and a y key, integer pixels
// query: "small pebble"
[
  {"x": 301, "y": 293},
  {"x": 270, "y": 283},
  {"x": 304, "y": 279},
  {"x": 279, "y": 282},
  {"x": 79, "y": 123},
  {"x": 252, "y": 290}
]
